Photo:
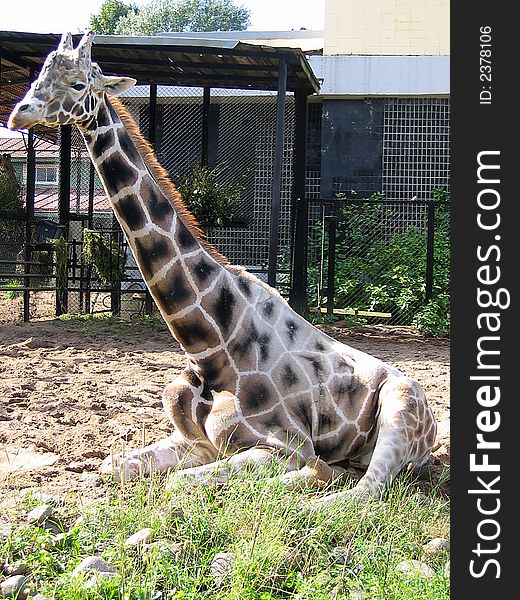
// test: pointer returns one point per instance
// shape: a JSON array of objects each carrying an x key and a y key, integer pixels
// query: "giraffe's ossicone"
[{"x": 261, "y": 384}]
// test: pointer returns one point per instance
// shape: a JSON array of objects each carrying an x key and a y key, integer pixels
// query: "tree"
[
  {"x": 109, "y": 14},
  {"x": 184, "y": 15}
]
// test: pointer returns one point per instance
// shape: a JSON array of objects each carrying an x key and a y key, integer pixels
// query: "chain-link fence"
[
  {"x": 370, "y": 256},
  {"x": 239, "y": 151},
  {"x": 375, "y": 264}
]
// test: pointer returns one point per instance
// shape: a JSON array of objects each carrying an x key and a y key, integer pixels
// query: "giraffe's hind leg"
[
  {"x": 187, "y": 446},
  {"x": 406, "y": 432}
]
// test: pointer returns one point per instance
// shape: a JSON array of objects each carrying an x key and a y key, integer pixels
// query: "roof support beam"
[{"x": 274, "y": 223}]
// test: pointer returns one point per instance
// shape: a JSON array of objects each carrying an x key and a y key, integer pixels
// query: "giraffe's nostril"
[{"x": 23, "y": 107}]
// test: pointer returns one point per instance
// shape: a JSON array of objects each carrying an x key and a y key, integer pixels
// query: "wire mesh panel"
[{"x": 416, "y": 147}]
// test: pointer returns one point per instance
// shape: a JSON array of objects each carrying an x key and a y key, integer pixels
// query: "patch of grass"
[
  {"x": 103, "y": 324},
  {"x": 282, "y": 549}
]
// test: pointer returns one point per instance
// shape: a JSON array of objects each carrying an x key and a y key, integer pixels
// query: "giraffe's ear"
[{"x": 117, "y": 85}]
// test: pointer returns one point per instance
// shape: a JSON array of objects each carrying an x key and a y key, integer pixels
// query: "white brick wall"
[{"x": 387, "y": 27}]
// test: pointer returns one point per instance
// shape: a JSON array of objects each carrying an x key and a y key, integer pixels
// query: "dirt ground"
[{"x": 71, "y": 391}]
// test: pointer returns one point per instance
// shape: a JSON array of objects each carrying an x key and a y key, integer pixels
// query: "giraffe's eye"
[{"x": 78, "y": 87}]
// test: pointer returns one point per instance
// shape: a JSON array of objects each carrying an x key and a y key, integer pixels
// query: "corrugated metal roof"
[{"x": 166, "y": 60}]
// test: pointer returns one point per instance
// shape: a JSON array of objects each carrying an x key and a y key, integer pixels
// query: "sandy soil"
[{"x": 69, "y": 392}]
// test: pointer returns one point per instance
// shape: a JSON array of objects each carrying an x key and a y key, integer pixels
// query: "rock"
[
  {"x": 415, "y": 567},
  {"x": 221, "y": 566},
  {"x": 442, "y": 454},
  {"x": 163, "y": 549},
  {"x": 5, "y": 531},
  {"x": 53, "y": 526},
  {"x": 436, "y": 546},
  {"x": 40, "y": 514},
  {"x": 16, "y": 568},
  {"x": 57, "y": 542},
  {"x": 172, "y": 513},
  {"x": 15, "y": 587},
  {"x": 99, "y": 577},
  {"x": 94, "y": 563},
  {"x": 446, "y": 569},
  {"x": 143, "y": 536}
]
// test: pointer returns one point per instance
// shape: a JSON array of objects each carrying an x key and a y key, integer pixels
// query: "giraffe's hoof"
[
  {"x": 355, "y": 494},
  {"x": 121, "y": 468}
]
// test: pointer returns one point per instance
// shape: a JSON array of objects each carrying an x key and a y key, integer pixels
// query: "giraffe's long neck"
[{"x": 180, "y": 269}]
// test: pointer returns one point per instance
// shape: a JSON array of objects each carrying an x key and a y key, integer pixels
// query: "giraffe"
[{"x": 262, "y": 386}]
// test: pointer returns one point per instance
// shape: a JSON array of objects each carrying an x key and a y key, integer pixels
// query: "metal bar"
[
  {"x": 430, "y": 247},
  {"x": 331, "y": 263},
  {"x": 299, "y": 210},
  {"x": 274, "y": 224},
  {"x": 29, "y": 217},
  {"x": 367, "y": 201},
  {"x": 206, "y": 101},
  {"x": 64, "y": 211},
  {"x": 90, "y": 225}
]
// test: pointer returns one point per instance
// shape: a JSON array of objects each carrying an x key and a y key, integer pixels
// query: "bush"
[{"x": 211, "y": 203}]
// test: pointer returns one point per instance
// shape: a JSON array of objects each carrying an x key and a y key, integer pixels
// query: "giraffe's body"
[{"x": 261, "y": 383}]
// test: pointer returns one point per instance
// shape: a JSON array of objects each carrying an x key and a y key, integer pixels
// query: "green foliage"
[
  {"x": 105, "y": 21},
  {"x": 381, "y": 271},
  {"x": 10, "y": 200},
  {"x": 212, "y": 203},
  {"x": 108, "y": 261},
  {"x": 433, "y": 319},
  {"x": 14, "y": 292},
  {"x": 184, "y": 15}
]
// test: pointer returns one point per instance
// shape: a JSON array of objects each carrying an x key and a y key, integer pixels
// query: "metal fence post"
[
  {"x": 430, "y": 246},
  {"x": 274, "y": 222},
  {"x": 300, "y": 210},
  {"x": 331, "y": 258},
  {"x": 29, "y": 217},
  {"x": 64, "y": 214}
]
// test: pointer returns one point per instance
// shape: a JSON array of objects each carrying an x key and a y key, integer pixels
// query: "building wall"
[{"x": 387, "y": 27}]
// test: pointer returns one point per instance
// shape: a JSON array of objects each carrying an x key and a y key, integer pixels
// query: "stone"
[
  {"x": 15, "y": 587},
  {"x": 57, "y": 542},
  {"x": 16, "y": 568},
  {"x": 163, "y": 549},
  {"x": 143, "y": 536},
  {"x": 172, "y": 513},
  {"x": 94, "y": 563},
  {"x": 53, "y": 526},
  {"x": 221, "y": 566},
  {"x": 18, "y": 460},
  {"x": 415, "y": 567},
  {"x": 446, "y": 569},
  {"x": 40, "y": 514},
  {"x": 436, "y": 546},
  {"x": 99, "y": 577}
]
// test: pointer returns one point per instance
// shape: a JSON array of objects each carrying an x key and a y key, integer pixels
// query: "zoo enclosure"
[
  {"x": 191, "y": 96},
  {"x": 237, "y": 132}
]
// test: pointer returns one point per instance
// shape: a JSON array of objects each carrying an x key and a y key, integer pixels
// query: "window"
[{"x": 46, "y": 175}]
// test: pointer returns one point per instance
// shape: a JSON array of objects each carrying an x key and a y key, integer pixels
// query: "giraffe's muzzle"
[{"x": 25, "y": 115}]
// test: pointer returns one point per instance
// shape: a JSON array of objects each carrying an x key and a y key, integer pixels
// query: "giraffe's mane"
[
  {"x": 162, "y": 178},
  {"x": 173, "y": 195}
]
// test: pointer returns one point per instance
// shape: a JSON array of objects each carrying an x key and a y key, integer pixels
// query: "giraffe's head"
[{"x": 68, "y": 89}]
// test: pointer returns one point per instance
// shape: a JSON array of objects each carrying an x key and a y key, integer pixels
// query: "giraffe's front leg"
[
  {"x": 220, "y": 471},
  {"x": 407, "y": 431},
  {"x": 188, "y": 446}
]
